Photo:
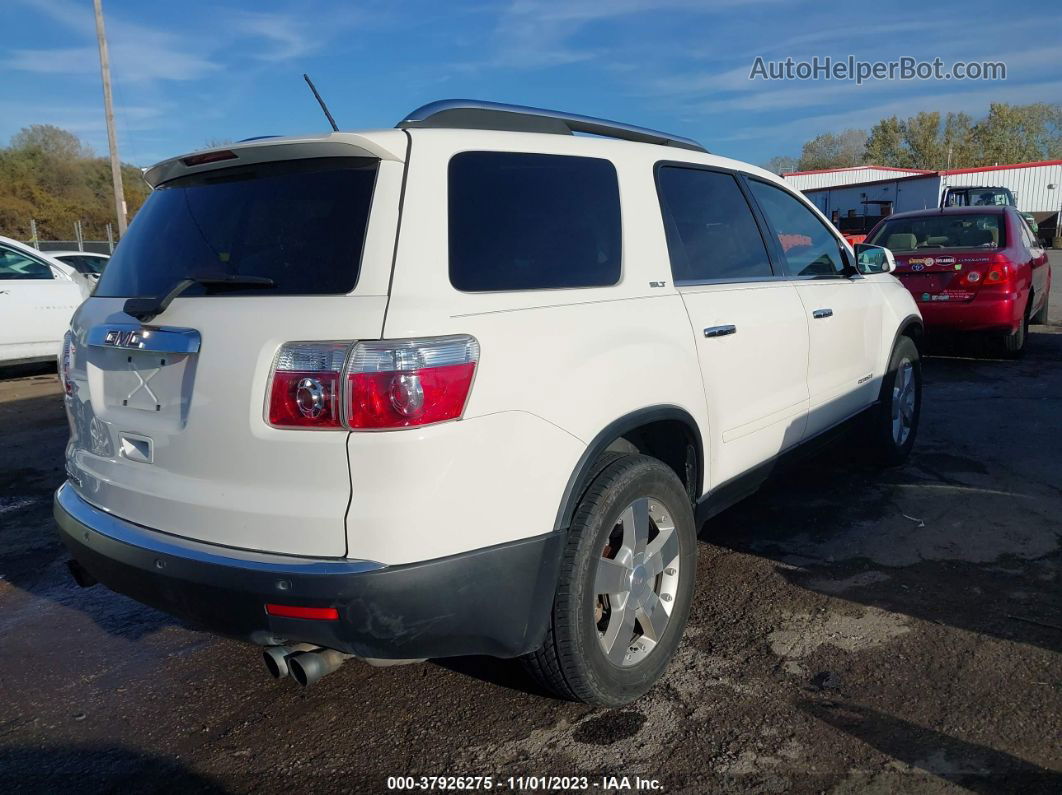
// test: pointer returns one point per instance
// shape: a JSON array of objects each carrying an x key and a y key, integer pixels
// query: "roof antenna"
[{"x": 320, "y": 101}]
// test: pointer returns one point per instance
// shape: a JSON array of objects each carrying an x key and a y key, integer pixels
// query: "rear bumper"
[
  {"x": 979, "y": 314},
  {"x": 493, "y": 601}
]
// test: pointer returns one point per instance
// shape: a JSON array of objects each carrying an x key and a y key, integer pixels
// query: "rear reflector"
[
  {"x": 208, "y": 157},
  {"x": 313, "y": 613}
]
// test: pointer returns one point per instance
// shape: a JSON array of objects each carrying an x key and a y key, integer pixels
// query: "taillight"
[
  {"x": 305, "y": 392},
  {"x": 404, "y": 383},
  {"x": 66, "y": 362},
  {"x": 998, "y": 275},
  {"x": 388, "y": 384}
]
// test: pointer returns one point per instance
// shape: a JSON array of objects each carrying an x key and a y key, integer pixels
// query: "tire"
[
  {"x": 895, "y": 425},
  {"x": 633, "y": 499},
  {"x": 1014, "y": 344},
  {"x": 1041, "y": 317}
]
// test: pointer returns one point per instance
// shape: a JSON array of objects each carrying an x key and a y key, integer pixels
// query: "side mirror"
[{"x": 874, "y": 259}]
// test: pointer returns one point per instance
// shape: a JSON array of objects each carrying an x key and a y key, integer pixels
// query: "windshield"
[
  {"x": 979, "y": 197},
  {"x": 941, "y": 231},
  {"x": 300, "y": 223}
]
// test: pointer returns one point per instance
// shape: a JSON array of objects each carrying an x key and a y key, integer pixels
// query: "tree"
[
  {"x": 50, "y": 140},
  {"x": 781, "y": 164},
  {"x": 921, "y": 135},
  {"x": 47, "y": 174},
  {"x": 833, "y": 151},
  {"x": 956, "y": 146},
  {"x": 885, "y": 145},
  {"x": 1016, "y": 133}
]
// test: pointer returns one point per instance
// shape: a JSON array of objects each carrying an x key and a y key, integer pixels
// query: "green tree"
[
  {"x": 50, "y": 140},
  {"x": 781, "y": 164},
  {"x": 47, "y": 174},
  {"x": 921, "y": 137},
  {"x": 831, "y": 150},
  {"x": 957, "y": 147},
  {"x": 885, "y": 145},
  {"x": 1017, "y": 133}
]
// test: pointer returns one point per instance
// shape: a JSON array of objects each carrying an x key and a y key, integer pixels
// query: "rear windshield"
[
  {"x": 941, "y": 231},
  {"x": 300, "y": 223},
  {"x": 88, "y": 265},
  {"x": 983, "y": 197},
  {"x": 532, "y": 222}
]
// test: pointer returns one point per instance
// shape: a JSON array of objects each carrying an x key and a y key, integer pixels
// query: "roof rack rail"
[{"x": 473, "y": 114}]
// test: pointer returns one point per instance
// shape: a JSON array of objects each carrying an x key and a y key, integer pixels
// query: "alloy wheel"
[
  {"x": 636, "y": 582},
  {"x": 903, "y": 402}
]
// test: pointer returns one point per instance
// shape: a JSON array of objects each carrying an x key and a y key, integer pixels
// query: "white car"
[
  {"x": 464, "y": 387},
  {"x": 38, "y": 295},
  {"x": 87, "y": 263}
]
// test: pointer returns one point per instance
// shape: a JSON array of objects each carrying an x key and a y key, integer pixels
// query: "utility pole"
[{"x": 108, "y": 105}]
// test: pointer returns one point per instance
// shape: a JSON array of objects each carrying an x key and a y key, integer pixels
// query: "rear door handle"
[
  {"x": 720, "y": 331},
  {"x": 818, "y": 314}
]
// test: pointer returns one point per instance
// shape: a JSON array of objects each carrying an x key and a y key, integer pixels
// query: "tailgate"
[
  {"x": 172, "y": 436},
  {"x": 168, "y": 415}
]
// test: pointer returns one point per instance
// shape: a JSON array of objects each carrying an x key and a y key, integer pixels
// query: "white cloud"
[
  {"x": 288, "y": 36},
  {"x": 139, "y": 53}
]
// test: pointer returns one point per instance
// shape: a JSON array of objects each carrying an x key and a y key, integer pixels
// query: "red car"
[{"x": 971, "y": 269}]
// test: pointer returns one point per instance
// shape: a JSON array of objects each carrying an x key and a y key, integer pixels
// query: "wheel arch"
[
  {"x": 642, "y": 429},
  {"x": 912, "y": 326}
]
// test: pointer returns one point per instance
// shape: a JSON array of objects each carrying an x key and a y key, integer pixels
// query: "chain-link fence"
[
  {"x": 77, "y": 244},
  {"x": 94, "y": 246}
]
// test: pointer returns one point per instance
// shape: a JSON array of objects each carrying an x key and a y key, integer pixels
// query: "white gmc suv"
[{"x": 468, "y": 386}]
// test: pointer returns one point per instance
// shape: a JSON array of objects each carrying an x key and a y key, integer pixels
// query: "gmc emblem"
[{"x": 122, "y": 339}]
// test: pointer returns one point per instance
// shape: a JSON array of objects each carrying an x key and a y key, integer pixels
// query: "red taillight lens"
[
  {"x": 314, "y": 613},
  {"x": 389, "y": 384},
  {"x": 405, "y": 383},
  {"x": 998, "y": 274},
  {"x": 305, "y": 392}
]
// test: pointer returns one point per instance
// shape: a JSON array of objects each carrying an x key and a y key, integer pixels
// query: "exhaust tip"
[
  {"x": 80, "y": 574},
  {"x": 313, "y": 665},
  {"x": 278, "y": 658},
  {"x": 306, "y": 671},
  {"x": 275, "y": 658}
]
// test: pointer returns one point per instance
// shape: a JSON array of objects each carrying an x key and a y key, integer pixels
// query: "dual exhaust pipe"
[{"x": 304, "y": 662}]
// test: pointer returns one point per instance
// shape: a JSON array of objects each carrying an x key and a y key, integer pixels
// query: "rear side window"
[
  {"x": 809, "y": 247},
  {"x": 300, "y": 223},
  {"x": 711, "y": 232},
  {"x": 532, "y": 222}
]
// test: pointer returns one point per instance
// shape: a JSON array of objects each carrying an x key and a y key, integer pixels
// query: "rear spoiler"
[{"x": 385, "y": 145}]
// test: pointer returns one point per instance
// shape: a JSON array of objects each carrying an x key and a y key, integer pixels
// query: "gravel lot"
[{"x": 852, "y": 631}]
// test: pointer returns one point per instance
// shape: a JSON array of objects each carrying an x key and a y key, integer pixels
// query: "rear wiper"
[{"x": 146, "y": 309}]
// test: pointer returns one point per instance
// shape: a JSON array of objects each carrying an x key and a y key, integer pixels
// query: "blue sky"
[{"x": 189, "y": 71}]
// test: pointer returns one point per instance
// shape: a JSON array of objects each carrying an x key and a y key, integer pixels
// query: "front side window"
[
  {"x": 532, "y": 222},
  {"x": 809, "y": 247},
  {"x": 14, "y": 265},
  {"x": 711, "y": 232}
]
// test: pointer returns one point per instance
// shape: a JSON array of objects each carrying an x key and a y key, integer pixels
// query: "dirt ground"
[{"x": 853, "y": 631}]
